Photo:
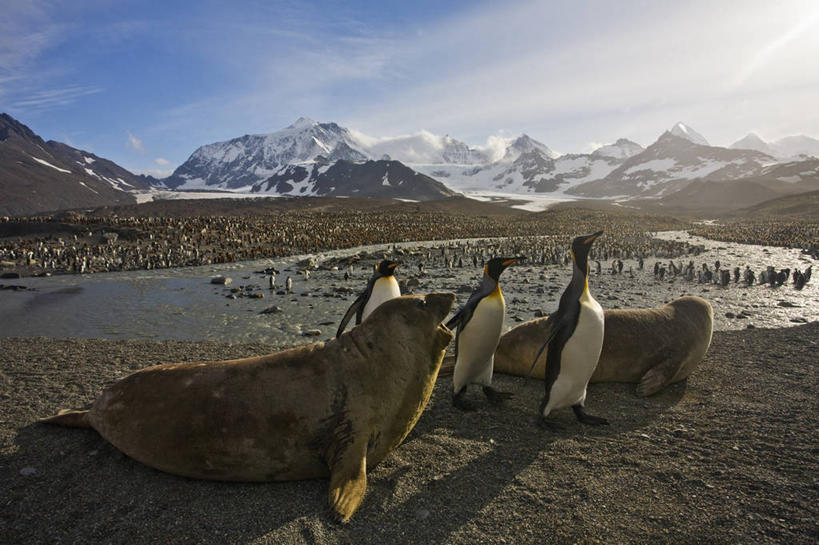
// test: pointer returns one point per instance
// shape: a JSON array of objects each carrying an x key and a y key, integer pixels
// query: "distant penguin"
[
  {"x": 381, "y": 287},
  {"x": 289, "y": 285},
  {"x": 479, "y": 323},
  {"x": 575, "y": 343}
]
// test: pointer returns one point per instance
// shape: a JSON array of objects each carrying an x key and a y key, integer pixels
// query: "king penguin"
[
  {"x": 575, "y": 341},
  {"x": 479, "y": 323},
  {"x": 381, "y": 287}
]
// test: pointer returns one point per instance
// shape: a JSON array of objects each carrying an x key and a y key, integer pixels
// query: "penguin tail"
[{"x": 71, "y": 418}]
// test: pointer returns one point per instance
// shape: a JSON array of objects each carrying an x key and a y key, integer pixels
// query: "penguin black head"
[
  {"x": 495, "y": 266},
  {"x": 580, "y": 250},
  {"x": 387, "y": 267}
]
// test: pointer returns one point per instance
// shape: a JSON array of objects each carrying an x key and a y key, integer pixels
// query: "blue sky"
[{"x": 146, "y": 83}]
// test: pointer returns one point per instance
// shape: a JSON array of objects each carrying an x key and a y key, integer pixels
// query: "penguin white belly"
[
  {"x": 579, "y": 357},
  {"x": 477, "y": 343},
  {"x": 384, "y": 289}
]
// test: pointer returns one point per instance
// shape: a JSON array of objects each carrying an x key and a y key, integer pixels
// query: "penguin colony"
[{"x": 573, "y": 346}]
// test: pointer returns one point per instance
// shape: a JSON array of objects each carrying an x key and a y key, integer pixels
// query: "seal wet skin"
[
  {"x": 325, "y": 409},
  {"x": 653, "y": 347}
]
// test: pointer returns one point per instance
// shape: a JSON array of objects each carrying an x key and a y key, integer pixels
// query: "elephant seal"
[
  {"x": 325, "y": 409},
  {"x": 654, "y": 347}
]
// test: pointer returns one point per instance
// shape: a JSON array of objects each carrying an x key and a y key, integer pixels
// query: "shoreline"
[{"x": 726, "y": 456}]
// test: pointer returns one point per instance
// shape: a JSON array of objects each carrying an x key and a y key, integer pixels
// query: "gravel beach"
[{"x": 729, "y": 456}]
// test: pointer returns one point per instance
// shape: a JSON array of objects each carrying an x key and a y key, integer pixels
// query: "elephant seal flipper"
[
  {"x": 348, "y": 481},
  {"x": 657, "y": 377},
  {"x": 70, "y": 418}
]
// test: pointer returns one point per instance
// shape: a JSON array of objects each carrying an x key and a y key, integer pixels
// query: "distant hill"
[
  {"x": 38, "y": 176},
  {"x": 802, "y": 206}
]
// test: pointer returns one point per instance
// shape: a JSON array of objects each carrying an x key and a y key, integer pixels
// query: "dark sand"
[{"x": 730, "y": 456}]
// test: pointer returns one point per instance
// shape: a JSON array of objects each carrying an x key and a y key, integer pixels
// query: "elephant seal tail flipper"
[
  {"x": 348, "y": 482},
  {"x": 66, "y": 417}
]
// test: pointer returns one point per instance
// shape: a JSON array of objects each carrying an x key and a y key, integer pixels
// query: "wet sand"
[{"x": 729, "y": 456}]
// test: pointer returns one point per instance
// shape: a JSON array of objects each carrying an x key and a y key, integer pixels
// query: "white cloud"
[
  {"x": 161, "y": 161},
  {"x": 135, "y": 143},
  {"x": 55, "y": 97}
]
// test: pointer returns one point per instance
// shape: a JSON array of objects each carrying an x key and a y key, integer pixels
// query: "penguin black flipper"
[
  {"x": 553, "y": 319},
  {"x": 463, "y": 315},
  {"x": 355, "y": 309}
]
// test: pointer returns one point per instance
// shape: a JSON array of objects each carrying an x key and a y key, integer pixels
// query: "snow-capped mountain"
[
  {"x": 528, "y": 166},
  {"x": 753, "y": 142},
  {"x": 247, "y": 160},
  {"x": 622, "y": 149},
  {"x": 684, "y": 131},
  {"x": 784, "y": 148},
  {"x": 38, "y": 176},
  {"x": 310, "y": 158},
  {"x": 422, "y": 148},
  {"x": 672, "y": 162}
]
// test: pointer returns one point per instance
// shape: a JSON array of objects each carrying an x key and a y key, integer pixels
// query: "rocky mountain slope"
[{"x": 38, "y": 176}]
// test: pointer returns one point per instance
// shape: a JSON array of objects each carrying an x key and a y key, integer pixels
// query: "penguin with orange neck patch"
[
  {"x": 575, "y": 341},
  {"x": 479, "y": 323}
]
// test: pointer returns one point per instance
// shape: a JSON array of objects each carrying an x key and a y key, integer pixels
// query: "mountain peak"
[
  {"x": 622, "y": 149},
  {"x": 10, "y": 126},
  {"x": 302, "y": 123},
  {"x": 525, "y": 144},
  {"x": 684, "y": 131},
  {"x": 753, "y": 142}
]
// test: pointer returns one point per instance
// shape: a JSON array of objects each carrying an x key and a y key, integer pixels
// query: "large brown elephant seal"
[
  {"x": 332, "y": 408},
  {"x": 653, "y": 346}
]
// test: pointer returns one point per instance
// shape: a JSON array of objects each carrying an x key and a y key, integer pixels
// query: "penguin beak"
[
  {"x": 591, "y": 238},
  {"x": 512, "y": 260}
]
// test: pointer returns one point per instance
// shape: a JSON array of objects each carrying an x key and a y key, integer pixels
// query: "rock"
[
  {"x": 540, "y": 314},
  {"x": 271, "y": 310},
  {"x": 344, "y": 289},
  {"x": 750, "y": 326},
  {"x": 787, "y": 304},
  {"x": 26, "y": 471},
  {"x": 422, "y": 514},
  {"x": 222, "y": 280},
  {"x": 312, "y": 333},
  {"x": 464, "y": 288},
  {"x": 413, "y": 283},
  {"x": 730, "y": 315},
  {"x": 256, "y": 295}
]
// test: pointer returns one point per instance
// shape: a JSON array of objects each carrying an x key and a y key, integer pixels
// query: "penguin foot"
[
  {"x": 584, "y": 418},
  {"x": 547, "y": 425},
  {"x": 461, "y": 403},
  {"x": 496, "y": 397}
]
